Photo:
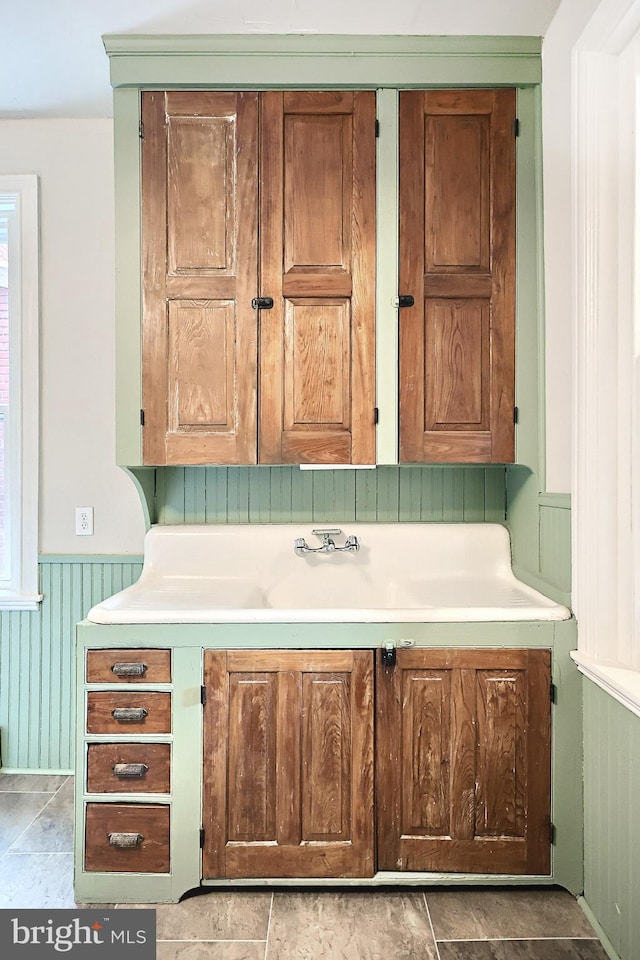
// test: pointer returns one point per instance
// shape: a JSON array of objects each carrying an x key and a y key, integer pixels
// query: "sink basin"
[{"x": 403, "y": 572}]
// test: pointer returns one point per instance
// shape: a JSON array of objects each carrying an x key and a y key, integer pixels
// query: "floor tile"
[
  {"x": 522, "y": 950},
  {"x": 216, "y": 950},
  {"x": 52, "y": 829},
  {"x": 31, "y": 782},
  {"x": 17, "y": 811},
  {"x": 215, "y": 915},
  {"x": 350, "y": 926},
  {"x": 502, "y": 912},
  {"x": 36, "y": 880}
]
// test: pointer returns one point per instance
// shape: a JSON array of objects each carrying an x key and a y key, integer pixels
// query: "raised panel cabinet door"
[
  {"x": 463, "y": 761},
  {"x": 457, "y": 260},
  {"x": 317, "y": 253},
  {"x": 200, "y": 274},
  {"x": 288, "y": 764}
]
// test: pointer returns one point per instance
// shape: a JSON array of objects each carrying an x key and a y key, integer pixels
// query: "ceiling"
[{"x": 53, "y": 64}]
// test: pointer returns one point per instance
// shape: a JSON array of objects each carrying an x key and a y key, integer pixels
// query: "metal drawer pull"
[
  {"x": 130, "y": 770},
  {"x": 129, "y": 714},
  {"x": 125, "y": 840},
  {"x": 129, "y": 669}
]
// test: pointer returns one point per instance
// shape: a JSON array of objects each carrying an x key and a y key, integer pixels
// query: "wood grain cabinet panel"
[
  {"x": 246, "y": 195},
  {"x": 128, "y": 767},
  {"x": 128, "y": 712},
  {"x": 317, "y": 254},
  {"x": 200, "y": 273},
  {"x": 457, "y": 259},
  {"x": 128, "y": 666},
  {"x": 288, "y": 769},
  {"x": 127, "y": 838},
  {"x": 463, "y": 761}
]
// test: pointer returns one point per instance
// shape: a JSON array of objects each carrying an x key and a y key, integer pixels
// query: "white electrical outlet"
[{"x": 84, "y": 521}]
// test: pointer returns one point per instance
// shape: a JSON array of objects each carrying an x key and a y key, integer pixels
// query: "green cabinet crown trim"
[{"x": 303, "y": 60}]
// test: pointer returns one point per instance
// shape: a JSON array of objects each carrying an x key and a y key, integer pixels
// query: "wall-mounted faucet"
[{"x": 328, "y": 545}]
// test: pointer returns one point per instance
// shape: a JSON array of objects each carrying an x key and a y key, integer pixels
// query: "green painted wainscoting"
[
  {"x": 37, "y": 676},
  {"x": 611, "y": 822},
  {"x": 287, "y": 494}
]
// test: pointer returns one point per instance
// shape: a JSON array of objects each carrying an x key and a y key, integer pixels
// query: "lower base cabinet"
[
  {"x": 462, "y": 762},
  {"x": 315, "y": 764},
  {"x": 288, "y": 768}
]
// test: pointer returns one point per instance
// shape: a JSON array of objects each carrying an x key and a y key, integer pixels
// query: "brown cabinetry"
[
  {"x": 123, "y": 834},
  {"x": 328, "y": 763},
  {"x": 463, "y": 761},
  {"x": 127, "y": 838},
  {"x": 288, "y": 764},
  {"x": 259, "y": 263},
  {"x": 457, "y": 260},
  {"x": 128, "y": 767},
  {"x": 250, "y": 195}
]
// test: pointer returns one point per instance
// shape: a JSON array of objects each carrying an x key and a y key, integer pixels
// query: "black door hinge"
[
  {"x": 516, "y": 127},
  {"x": 377, "y": 128},
  {"x": 553, "y": 693},
  {"x": 203, "y": 694},
  {"x": 376, "y": 415},
  {"x": 142, "y": 418},
  {"x": 141, "y": 130},
  {"x": 516, "y": 414},
  {"x": 552, "y": 833},
  {"x": 202, "y": 838}
]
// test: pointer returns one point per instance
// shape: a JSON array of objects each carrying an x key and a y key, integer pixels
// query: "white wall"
[
  {"x": 73, "y": 159},
  {"x": 564, "y": 30}
]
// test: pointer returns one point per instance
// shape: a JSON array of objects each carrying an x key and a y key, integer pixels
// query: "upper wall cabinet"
[
  {"x": 457, "y": 261},
  {"x": 258, "y": 236},
  {"x": 254, "y": 188}
]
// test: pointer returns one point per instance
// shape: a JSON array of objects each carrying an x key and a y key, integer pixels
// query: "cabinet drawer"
[
  {"x": 128, "y": 666},
  {"x": 128, "y": 712},
  {"x": 129, "y": 768},
  {"x": 127, "y": 838}
]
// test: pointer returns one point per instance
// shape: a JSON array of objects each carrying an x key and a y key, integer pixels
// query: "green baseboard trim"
[{"x": 602, "y": 937}]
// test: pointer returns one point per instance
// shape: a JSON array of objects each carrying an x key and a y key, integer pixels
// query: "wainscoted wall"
[
  {"x": 285, "y": 494},
  {"x": 612, "y": 825},
  {"x": 36, "y": 659}
]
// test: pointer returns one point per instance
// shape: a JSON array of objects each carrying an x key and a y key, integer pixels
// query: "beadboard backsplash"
[{"x": 286, "y": 494}]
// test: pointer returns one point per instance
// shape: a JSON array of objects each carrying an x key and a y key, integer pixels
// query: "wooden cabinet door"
[
  {"x": 199, "y": 235},
  {"x": 317, "y": 249},
  {"x": 463, "y": 761},
  {"x": 288, "y": 764},
  {"x": 457, "y": 259}
]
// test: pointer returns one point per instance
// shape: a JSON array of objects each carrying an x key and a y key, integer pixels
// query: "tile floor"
[{"x": 36, "y": 870}]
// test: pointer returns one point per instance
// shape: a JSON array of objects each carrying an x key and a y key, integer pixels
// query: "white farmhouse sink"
[{"x": 403, "y": 572}]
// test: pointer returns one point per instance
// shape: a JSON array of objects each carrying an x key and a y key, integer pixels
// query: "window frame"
[{"x": 20, "y": 590}]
